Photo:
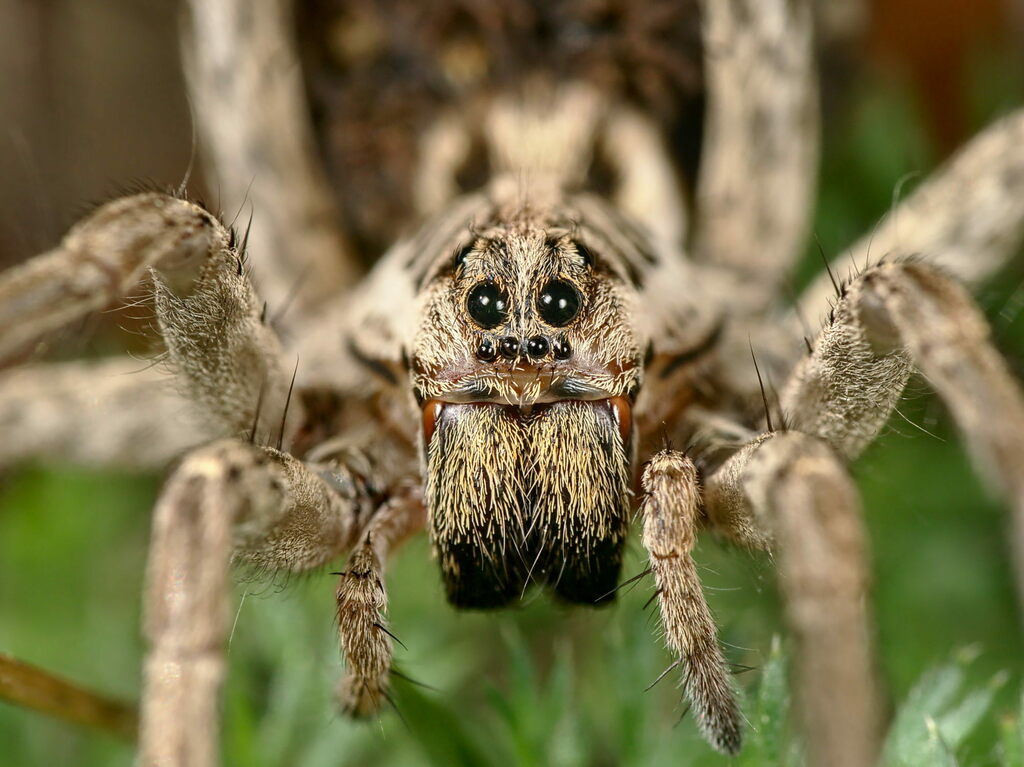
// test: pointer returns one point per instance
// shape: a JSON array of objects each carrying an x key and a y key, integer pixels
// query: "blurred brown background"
[
  {"x": 91, "y": 101},
  {"x": 91, "y": 97}
]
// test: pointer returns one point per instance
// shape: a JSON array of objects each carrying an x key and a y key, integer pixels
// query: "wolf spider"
[{"x": 501, "y": 372}]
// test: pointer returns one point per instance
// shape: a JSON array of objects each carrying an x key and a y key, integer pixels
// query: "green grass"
[{"x": 540, "y": 685}]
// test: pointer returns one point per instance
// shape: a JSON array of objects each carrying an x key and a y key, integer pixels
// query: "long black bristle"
[
  {"x": 382, "y": 627},
  {"x": 682, "y": 716},
  {"x": 655, "y": 595},
  {"x": 664, "y": 673},
  {"x": 389, "y": 699},
  {"x": 245, "y": 237},
  {"x": 625, "y": 583},
  {"x": 764, "y": 396},
  {"x": 828, "y": 267},
  {"x": 287, "y": 403},
  {"x": 256, "y": 417},
  {"x": 410, "y": 680}
]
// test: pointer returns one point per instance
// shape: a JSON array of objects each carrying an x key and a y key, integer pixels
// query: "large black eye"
[
  {"x": 487, "y": 305},
  {"x": 559, "y": 303}
]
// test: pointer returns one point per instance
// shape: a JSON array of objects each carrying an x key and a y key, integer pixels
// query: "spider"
[{"x": 547, "y": 352}]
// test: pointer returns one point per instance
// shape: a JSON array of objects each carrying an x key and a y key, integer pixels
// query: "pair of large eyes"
[{"x": 558, "y": 304}]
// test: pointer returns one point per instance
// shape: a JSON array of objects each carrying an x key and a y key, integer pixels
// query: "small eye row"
[
  {"x": 535, "y": 347},
  {"x": 558, "y": 303}
]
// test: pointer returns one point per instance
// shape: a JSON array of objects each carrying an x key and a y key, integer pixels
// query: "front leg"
[
  {"x": 227, "y": 359},
  {"x": 893, "y": 317},
  {"x": 670, "y": 509},
  {"x": 226, "y": 500},
  {"x": 790, "y": 489},
  {"x": 107, "y": 412}
]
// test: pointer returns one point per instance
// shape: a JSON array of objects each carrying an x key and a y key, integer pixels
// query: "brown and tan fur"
[{"x": 524, "y": 468}]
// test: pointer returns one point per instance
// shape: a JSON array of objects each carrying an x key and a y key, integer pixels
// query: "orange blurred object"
[{"x": 930, "y": 41}]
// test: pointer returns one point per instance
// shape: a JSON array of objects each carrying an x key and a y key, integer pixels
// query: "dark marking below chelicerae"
[
  {"x": 588, "y": 579},
  {"x": 475, "y": 581}
]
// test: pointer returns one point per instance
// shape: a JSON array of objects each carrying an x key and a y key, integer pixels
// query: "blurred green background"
[{"x": 538, "y": 685}]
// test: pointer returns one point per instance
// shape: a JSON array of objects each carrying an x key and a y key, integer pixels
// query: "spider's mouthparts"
[
  {"x": 553, "y": 487},
  {"x": 619, "y": 408}
]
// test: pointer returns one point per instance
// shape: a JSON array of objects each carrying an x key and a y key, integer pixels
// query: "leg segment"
[
  {"x": 271, "y": 511},
  {"x": 967, "y": 217},
  {"x": 362, "y": 605},
  {"x": 670, "y": 510},
  {"x": 795, "y": 488},
  {"x": 98, "y": 261},
  {"x": 113, "y": 412},
  {"x": 759, "y": 164},
  {"x": 890, "y": 316},
  {"x": 227, "y": 358},
  {"x": 790, "y": 487},
  {"x": 246, "y": 85},
  {"x": 846, "y": 389}
]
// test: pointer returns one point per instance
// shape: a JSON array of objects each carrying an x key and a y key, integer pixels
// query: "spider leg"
[
  {"x": 648, "y": 190},
  {"x": 671, "y": 514},
  {"x": 245, "y": 82},
  {"x": 758, "y": 168},
  {"x": 226, "y": 357},
  {"x": 366, "y": 640},
  {"x": 895, "y": 314},
  {"x": 266, "y": 508},
  {"x": 111, "y": 412},
  {"x": 791, "y": 488},
  {"x": 967, "y": 218},
  {"x": 99, "y": 260}
]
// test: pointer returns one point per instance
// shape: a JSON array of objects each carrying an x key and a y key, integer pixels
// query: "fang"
[{"x": 431, "y": 412}]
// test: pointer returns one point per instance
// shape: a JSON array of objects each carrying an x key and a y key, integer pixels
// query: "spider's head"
[
  {"x": 526, "y": 316},
  {"x": 526, "y": 364}
]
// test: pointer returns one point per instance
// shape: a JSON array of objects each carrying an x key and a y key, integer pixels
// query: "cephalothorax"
[{"x": 551, "y": 350}]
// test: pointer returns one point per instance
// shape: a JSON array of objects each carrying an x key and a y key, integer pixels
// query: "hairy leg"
[
  {"x": 967, "y": 218},
  {"x": 226, "y": 357},
  {"x": 670, "y": 510},
  {"x": 648, "y": 189},
  {"x": 99, "y": 260},
  {"x": 266, "y": 508},
  {"x": 891, "y": 318},
  {"x": 895, "y": 315},
  {"x": 366, "y": 641},
  {"x": 792, "y": 489},
  {"x": 114, "y": 412},
  {"x": 759, "y": 164},
  {"x": 246, "y": 86}
]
